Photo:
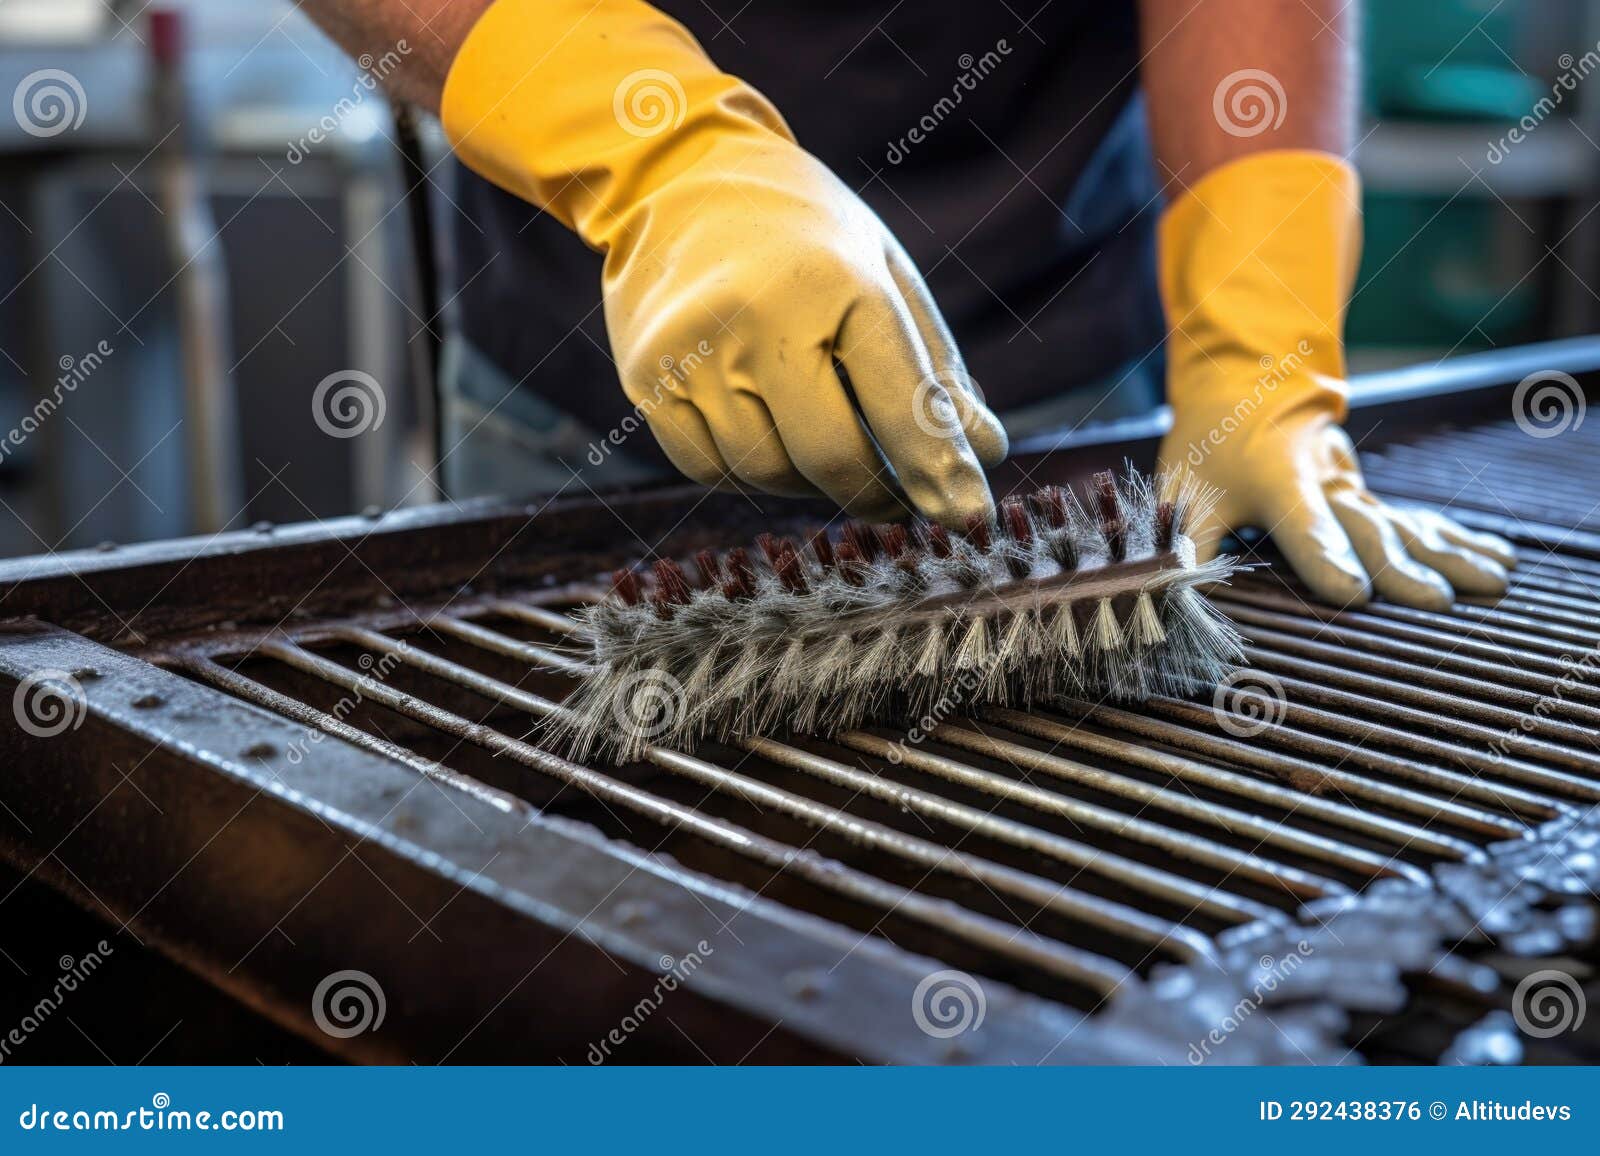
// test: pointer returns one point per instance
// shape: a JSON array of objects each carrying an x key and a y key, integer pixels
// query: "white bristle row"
[{"x": 850, "y": 651}]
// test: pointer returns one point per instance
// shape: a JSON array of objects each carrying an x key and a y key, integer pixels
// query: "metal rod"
[
  {"x": 1126, "y": 872},
  {"x": 317, "y": 721},
  {"x": 1135, "y": 925},
  {"x": 1393, "y": 832},
  {"x": 1180, "y": 844},
  {"x": 1099, "y": 974},
  {"x": 1234, "y": 822},
  {"x": 505, "y": 645}
]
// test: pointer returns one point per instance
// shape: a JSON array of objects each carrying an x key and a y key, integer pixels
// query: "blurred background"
[{"x": 203, "y": 219}]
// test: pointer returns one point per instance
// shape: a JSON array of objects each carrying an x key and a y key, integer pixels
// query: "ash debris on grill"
[{"x": 1530, "y": 898}]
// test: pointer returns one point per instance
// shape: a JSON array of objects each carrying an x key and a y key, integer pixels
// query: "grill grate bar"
[
  {"x": 1393, "y": 832},
  {"x": 1540, "y": 583},
  {"x": 1419, "y": 482},
  {"x": 534, "y": 615},
  {"x": 1568, "y": 568},
  {"x": 1181, "y": 845},
  {"x": 1053, "y": 958},
  {"x": 1482, "y": 625},
  {"x": 315, "y": 720},
  {"x": 1234, "y": 822},
  {"x": 504, "y": 645},
  {"x": 1420, "y": 685},
  {"x": 1544, "y": 606},
  {"x": 1490, "y": 675},
  {"x": 1146, "y": 930},
  {"x": 1385, "y": 624},
  {"x": 1150, "y": 880},
  {"x": 1509, "y": 469},
  {"x": 1452, "y": 713},
  {"x": 1227, "y": 819},
  {"x": 1378, "y": 767},
  {"x": 1528, "y": 774},
  {"x": 1338, "y": 752}
]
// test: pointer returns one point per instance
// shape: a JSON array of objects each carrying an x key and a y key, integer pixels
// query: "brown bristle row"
[
  {"x": 822, "y": 548},
  {"x": 977, "y": 532},
  {"x": 852, "y": 566},
  {"x": 862, "y": 538},
  {"x": 896, "y": 540},
  {"x": 1015, "y": 522},
  {"x": 1108, "y": 507},
  {"x": 672, "y": 586},
  {"x": 1107, "y": 500},
  {"x": 626, "y": 587},
  {"x": 771, "y": 547},
  {"x": 709, "y": 567},
  {"x": 740, "y": 584},
  {"x": 1052, "y": 506},
  {"x": 1029, "y": 536},
  {"x": 1116, "y": 535},
  {"x": 791, "y": 574},
  {"x": 935, "y": 539},
  {"x": 1166, "y": 524}
]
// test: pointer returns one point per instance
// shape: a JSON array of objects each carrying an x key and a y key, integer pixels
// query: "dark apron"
[{"x": 1012, "y": 162}]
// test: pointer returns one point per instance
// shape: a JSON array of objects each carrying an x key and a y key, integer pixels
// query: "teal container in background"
[
  {"x": 1429, "y": 279},
  {"x": 1446, "y": 60}
]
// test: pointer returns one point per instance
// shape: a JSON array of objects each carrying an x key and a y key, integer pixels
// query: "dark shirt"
[{"x": 1010, "y": 158}]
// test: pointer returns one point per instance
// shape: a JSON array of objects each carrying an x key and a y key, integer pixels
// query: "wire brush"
[{"x": 1055, "y": 596}]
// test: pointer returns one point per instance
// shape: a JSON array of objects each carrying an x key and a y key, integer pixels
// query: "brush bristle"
[{"x": 1052, "y": 597}]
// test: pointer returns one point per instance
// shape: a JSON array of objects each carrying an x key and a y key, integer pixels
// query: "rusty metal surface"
[
  {"x": 265, "y": 875},
  {"x": 325, "y": 721}
]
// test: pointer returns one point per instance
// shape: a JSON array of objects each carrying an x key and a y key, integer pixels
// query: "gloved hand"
[
  {"x": 738, "y": 270},
  {"x": 1257, "y": 263}
]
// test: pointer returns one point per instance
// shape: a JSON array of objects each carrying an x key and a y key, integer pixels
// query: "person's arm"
[
  {"x": 1220, "y": 54},
  {"x": 1252, "y": 107},
  {"x": 432, "y": 30},
  {"x": 740, "y": 275}
]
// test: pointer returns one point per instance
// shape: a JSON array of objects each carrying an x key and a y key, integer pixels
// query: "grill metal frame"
[{"x": 185, "y": 822}]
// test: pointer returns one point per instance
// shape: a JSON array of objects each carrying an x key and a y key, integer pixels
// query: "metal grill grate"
[
  {"x": 1064, "y": 852},
  {"x": 1400, "y": 799}
]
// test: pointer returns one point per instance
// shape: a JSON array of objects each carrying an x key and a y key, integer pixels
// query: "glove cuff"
[
  {"x": 584, "y": 108},
  {"x": 1257, "y": 262}
]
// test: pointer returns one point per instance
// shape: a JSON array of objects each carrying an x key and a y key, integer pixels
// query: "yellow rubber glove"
[
  {"x": 1257, "y": 263},
  {"x": 738, "y": 269}
]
